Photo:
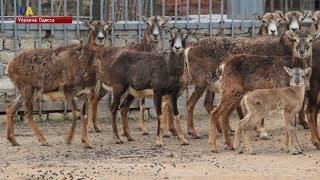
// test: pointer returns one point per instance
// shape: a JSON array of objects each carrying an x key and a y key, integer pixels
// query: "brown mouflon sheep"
[
  {"x": 68, "y": 69},
  {"x": 149, "y": 43},
  {"x": 149, "y": 73},
  {"x": 260, "y": 102}
]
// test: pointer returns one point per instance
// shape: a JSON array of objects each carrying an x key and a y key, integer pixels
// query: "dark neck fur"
[{"x": 176, "y": 63}]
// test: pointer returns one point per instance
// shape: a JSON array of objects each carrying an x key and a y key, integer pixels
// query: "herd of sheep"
[{"x": 278, "y": 68}]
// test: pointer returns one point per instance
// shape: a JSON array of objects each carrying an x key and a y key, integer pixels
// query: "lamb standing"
[{"x": 259, "y": 102}]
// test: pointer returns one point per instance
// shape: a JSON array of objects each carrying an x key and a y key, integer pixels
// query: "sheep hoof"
[
  {"x": 214, "y": 150},
  {"x": 45, "y": 143},
  {"x": 264, "y": 137},
  {"x": 130, "y": 138},
  {"x": 118, "y": 141},
  {"x": 98, "y": 130},
  {"x": 68, "y": 141},
  {"x": 158, "y": 142},
  {"x": 239, "y": 150},
  {"x": 166, "y": 136},
  {"x": 253, "y": 152},
  {"x": 197, "y": 136},
  {"x": 88, "y": 146},
  {"x": 185, "y": 143},
  {"x": 144, "y": 130},
  {"x": 194, "y": 135},
  {"x": 15, "y": 143},
  {"x": 293, "y": 151},
  {"x": 145, "y": 133},
  {"x": 173, "y": 132}
]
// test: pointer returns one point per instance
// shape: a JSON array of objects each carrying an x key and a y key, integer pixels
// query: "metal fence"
[{"x": 233, "y": 15}]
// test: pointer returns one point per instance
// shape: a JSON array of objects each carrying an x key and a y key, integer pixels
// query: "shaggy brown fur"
[
  {"x": 205, "y": 56},
  {"x": 149, "y": 74},
  {"x": 149, "y": 43},
  {"x": 314, "y": 92},
  {"x": 243, "y": 73},
  {"x": 68, "y": 69}
]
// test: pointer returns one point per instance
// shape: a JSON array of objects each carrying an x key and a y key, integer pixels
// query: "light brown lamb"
[{"x": 260, "y": 102}]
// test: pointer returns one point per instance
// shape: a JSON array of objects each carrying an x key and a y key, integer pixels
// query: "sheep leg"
[
  {"x": 240, "y": 128},
  {"x": 312, "y": 112},
  {"x": 301, "y": 116},
  {"x": 84, "y": 125},
  {"x": 208, "y": 104},
  {"x": 27, "y": 94},
  {"x": 124, "y": 110},
  {"x": 214, "y": 116},
  {"x": 288, "y": 117},
  {"x": 117, "y": 93},
  {"x": 225, "y": 120},
  {"x": 238, "y": 133},
  {"x": 172, "y": 127},
  {"x": 142, "y": 126},
  {"x": 208, "y": 100},
  {"x": 157, "y": 98},
  {"x": 92, "y": 117},
  {"x": 72, "y": 104},
  {"x": 10, "y": 111},
  {"x": 262, "y": 131},
  {"x": 165, "y": 123},
  {"x": 191, "y": 102},
  {"x": 247, "y": 141},
  {"x": 173, "y": 103},
  {"x": 168, "y": 119}
]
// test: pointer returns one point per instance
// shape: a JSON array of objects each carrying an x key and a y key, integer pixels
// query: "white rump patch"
[
  {"x": 147, "y": 93},
  {"x": 53, "y": 96},
  {"x": 186, "y": 59},
  {"x": 106, "y": 87}
]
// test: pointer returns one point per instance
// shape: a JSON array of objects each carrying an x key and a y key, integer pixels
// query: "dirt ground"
[{"x": 140, "y": 159}]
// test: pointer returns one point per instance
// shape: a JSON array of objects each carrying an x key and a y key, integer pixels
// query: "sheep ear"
[
  {"x": 173, "y": 30},
  {"x": 89, "y": 24},
  {"x": 306, "y": 15},
  {"x": 280, "y": 14},
  {"x": 308, "y": 71},
  {"x": 258, "y": 16},
  {"x": 146, "y": 20},
  {"x": 166, "y": 20},
  {"x": 286, "y": 17},
  {"x": 314, "y": 16},
  {"x": 288, "y": 70},
  {"x": 290, "y": 34},
  {"x": 142, "y": 18},
  {"x": 184, "y": 32},
  {"x": 315, "y": 35},
  {"x": 112, "y": 23}
]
